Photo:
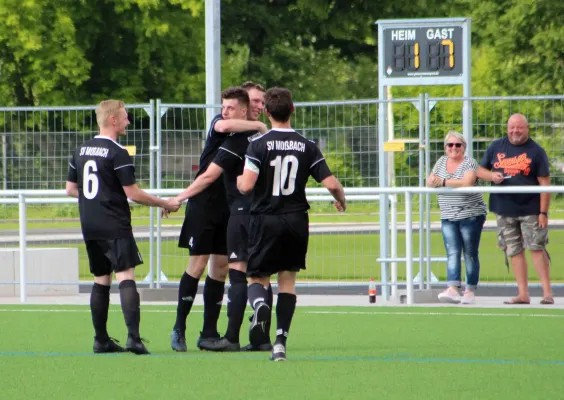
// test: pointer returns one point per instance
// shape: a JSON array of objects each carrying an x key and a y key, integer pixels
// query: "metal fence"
[
  {"x": 407, "y": 256},
  {"x": 490, "y": 114},
  {"x": 168, "y": 140},
  {"x": 38, "y": 141}
]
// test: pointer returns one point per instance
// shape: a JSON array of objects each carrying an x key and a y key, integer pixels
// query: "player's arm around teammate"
[
  {"x": 232, "y": 125},
  {"x": 205, "y": 223}
]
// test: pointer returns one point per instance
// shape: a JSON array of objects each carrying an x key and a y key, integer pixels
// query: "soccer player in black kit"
[
  {"x": 277, "y": 168},
  {"x": 229, "y": 162},
  {"x": 205, "y": 225},
  {"x": 102, "y": 176}
]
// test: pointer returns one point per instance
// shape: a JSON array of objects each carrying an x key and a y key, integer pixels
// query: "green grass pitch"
[
  {"x": 353, "y": 257},
  {"x": 333, "y": 353}
]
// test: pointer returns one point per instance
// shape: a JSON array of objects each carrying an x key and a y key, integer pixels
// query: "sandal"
[
  {"x": 517, "y": 300},
  {"x": 547, "y": 300}
]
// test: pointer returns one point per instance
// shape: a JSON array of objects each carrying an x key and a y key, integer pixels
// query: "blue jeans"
[{"x": 462, "y": 235}]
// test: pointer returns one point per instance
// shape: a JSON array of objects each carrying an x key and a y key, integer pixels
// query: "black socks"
[
  {"x": 237, "y": 295},
  {"x": 269, "y": 301},
  {"x": 213, "y": 297},
  {"x": 285, "y": 308},
  {"x": 186, "y": 295},
  {"x": 257, "y": 293},
  {"x": 130, "y": 306},
  {"x": 99, "y": 304}
]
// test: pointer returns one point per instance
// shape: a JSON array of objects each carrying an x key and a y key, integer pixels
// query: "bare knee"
[
  {"x": 287, "y": 282},
  {"x": 519, "y": 258},
  {"x": 218, "y": 267},
  {"x": 104, "y": 280},
  {"x": 197, "y": 265},
  {"x": 128, "y": 274},
  {"x": 539, "y": 257},
  {"x": 238, "y": 266}
]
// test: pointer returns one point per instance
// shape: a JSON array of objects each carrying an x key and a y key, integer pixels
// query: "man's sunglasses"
[{"x": 457, "y": 145}]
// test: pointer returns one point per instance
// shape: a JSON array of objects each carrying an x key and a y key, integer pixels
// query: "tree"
[
  {"x": 69, "y": 52},
  {"x": 80, "y": 51},
  {"x": 41, "y": 61},
  {"x": 523, "y": 42}
]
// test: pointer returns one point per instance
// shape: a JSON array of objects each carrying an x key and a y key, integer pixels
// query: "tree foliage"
[
  {"x": 79, "y": 51},
  {"x": 69, "y": 51}
]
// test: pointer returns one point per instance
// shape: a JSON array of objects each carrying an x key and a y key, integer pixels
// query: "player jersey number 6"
[
  {"x": 90, "y": 179},
  {"x": 285, "y": 171}
]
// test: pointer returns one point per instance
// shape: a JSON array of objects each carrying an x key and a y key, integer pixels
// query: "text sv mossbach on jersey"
[
  {"x": 285, "y": 145},
  {"x": 94, "y": 151}
]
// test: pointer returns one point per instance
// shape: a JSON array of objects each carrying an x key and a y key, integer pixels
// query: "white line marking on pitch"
[
  {"x": 427, "y": 314},
  {"x": 436, "y": 313}
]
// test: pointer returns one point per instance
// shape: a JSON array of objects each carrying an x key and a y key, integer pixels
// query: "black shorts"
[
  {"x": 238, "y": 237},
  {"x": 204, "y": 230},
  {"x": 114, "y": 255},
  {"x": 277, "y": 243}
]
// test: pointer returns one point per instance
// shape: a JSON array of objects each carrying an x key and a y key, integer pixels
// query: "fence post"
[
  {"x": 5, "y": 161},
  {"x": 428, "y": 108},
  {"x": 383, "y": 171},
  {"x": 152, "y": 150},
  {"x": 467, "y": 92},
  {"x": 160, "y": 112},
  {"x": 394, "y": 244},
  {"x": 408, "y": 248},
  {"x": 423, "y": 144},
  {"x": 23, "y": 224}
]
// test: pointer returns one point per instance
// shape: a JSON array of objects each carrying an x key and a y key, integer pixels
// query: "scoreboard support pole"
[
  {"x": 467, "y": 93},
  {"x": 383, "y": 179},
  {"x": 418, "y": 52}
]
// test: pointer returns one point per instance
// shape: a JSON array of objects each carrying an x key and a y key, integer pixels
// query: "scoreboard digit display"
[{"x": 423, "y": 51}]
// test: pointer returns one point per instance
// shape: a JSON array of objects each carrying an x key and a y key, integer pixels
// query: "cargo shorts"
[{"x": 518, "y": 233}]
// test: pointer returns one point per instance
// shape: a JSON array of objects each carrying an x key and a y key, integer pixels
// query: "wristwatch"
[{"x": 544, "y": 213}]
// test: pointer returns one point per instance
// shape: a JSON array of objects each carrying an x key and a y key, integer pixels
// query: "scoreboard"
[
  {"x": 416, "y": 52},
  {"x": 423, "y": 52}
]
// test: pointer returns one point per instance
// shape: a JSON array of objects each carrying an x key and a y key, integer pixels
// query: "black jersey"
[
  {"x": 213, "y": 195},
  {"x": 101, "y": 167},
  {"x": 284, "y": 160},
  {"x": 230, "y": 157}
]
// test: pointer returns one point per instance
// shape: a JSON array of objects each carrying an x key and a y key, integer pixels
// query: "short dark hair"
[
  {"x": 252, "y": 85},
  {"x": 237, "y": 93},
  {"x": 278, "y": 103}
]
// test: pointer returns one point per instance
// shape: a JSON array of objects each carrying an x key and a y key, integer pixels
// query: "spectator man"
[{"x": 522, "y": 218}]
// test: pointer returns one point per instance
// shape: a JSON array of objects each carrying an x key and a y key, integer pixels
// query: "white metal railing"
[{"x": 23, "y": 197}]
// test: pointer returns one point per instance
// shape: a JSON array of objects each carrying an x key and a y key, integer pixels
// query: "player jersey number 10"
[
  {"x": 285, "y": 171},
  {"x": 90, "y": 179}
]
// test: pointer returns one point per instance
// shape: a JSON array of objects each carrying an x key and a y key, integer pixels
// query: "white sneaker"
[
  {"x": 468, "y": 298},
  {"x": 448, "y": 297}
]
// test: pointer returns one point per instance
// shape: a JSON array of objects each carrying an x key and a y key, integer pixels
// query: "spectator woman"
[{"x": 462, "y": 218}]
